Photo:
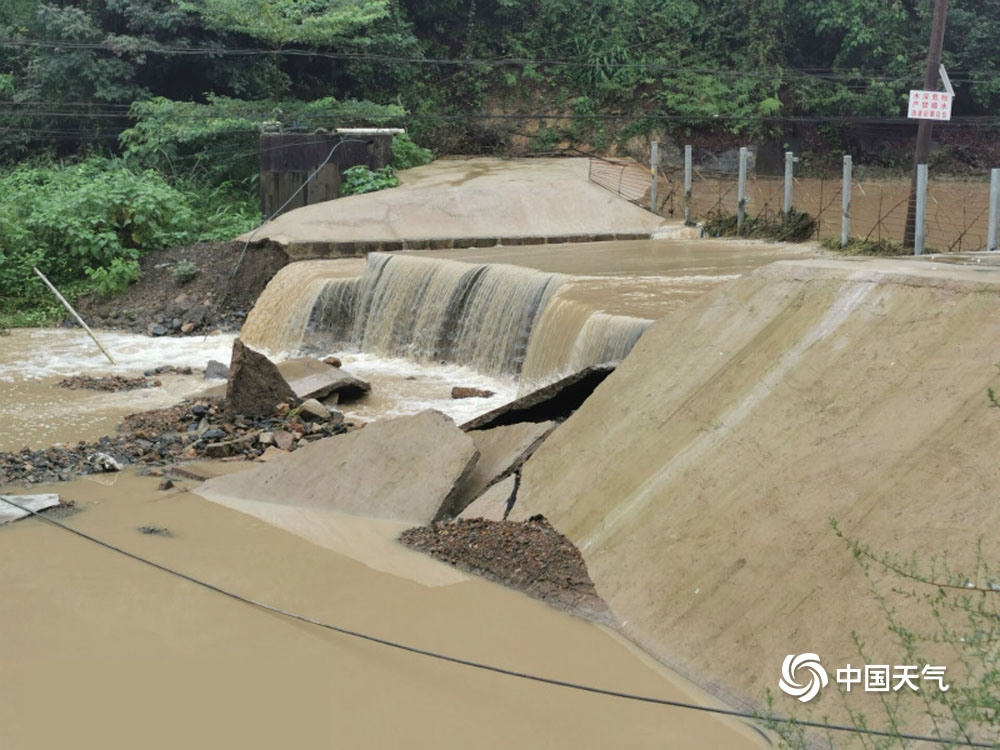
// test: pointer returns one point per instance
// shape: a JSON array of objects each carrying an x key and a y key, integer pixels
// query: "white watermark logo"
[
  {"x": 809, "y": 664},
  {"x": 876, "y": 678}
]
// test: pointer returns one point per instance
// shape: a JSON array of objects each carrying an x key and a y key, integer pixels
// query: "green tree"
[{"x": 290, "y": 21}]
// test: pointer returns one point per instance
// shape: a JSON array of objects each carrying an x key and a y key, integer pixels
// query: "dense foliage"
[
  {"x": 159, "y": 101},
  {"x": 86, "y": 226},
  {"x": 71, "y": 71}
]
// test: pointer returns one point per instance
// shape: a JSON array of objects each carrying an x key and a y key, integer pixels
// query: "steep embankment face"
[{"x": 699, "y": 478}]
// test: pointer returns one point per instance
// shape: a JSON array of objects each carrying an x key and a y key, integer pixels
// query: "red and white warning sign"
[
  {"x": 932, "y": 105},
  {"x": 929, "y": 105}
]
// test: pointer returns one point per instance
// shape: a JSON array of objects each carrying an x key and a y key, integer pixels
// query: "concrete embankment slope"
[{"x": 699, "y": 478}]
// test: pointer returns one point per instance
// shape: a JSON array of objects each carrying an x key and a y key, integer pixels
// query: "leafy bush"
[
  {"x": 115, "y": 278},
  {"x": 360, "y": 179},
  {"x": 86, "y": 225},
  {"x": 184, "y": 271},
  {"x": 66, "y": 219},
  {"x": 406, "y": 154}
]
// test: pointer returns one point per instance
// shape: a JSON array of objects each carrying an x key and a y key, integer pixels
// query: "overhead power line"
[{"x": 150, "y": 47}]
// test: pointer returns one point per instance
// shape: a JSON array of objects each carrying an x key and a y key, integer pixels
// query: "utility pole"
[{"x": 924, "y": 128}]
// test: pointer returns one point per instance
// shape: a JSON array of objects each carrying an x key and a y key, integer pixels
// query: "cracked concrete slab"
[
  {"x": 403, "y": 469},
  {"x": 502, "y": 451}
]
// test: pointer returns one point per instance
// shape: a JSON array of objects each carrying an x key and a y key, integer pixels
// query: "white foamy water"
[
  {"x": 58, "y": 352},
  {"x": 401, "y": 387}
]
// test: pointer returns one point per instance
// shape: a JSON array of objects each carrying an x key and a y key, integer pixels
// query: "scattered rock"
[
  {"x": 460, "y": 391},
  {"x": 313, "y": 409},
  {"x": 104, "y": 462},
  {"x": 215, "y": 370},
  {"x": 217, "y": 450},
  {"x": 282, "y": 409},
  {"x": 166, "y": 484},
  {"x": 160, "y": 436},
  {"x": 213, "y": 433},
  {"x": 255, "y": 385},
  {"x": 283, "y": 439},
  {"x": 155, "y": 329},
  {"x": 187, "y": 327},
  {"x": 333, "y": 362}
]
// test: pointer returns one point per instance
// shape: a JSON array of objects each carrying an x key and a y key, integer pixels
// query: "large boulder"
[
  {"x": 255, "y": 386},
  {"x": 403, "y": 469}
]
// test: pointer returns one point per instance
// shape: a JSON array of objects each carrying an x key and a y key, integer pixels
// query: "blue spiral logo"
[{"x": 817, "y": 677}]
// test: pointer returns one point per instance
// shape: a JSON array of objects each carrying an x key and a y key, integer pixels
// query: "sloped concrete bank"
[
  {"x": 477, "y": 202},
  {"x": 699, "y": 478}
]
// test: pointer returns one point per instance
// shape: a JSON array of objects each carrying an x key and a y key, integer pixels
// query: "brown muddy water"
[
  {"x": 100, "y": 651},
  {"x": 957, "y": 209}
]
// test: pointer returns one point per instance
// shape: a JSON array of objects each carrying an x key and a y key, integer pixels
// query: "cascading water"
[{"x": 498, "y": 319}]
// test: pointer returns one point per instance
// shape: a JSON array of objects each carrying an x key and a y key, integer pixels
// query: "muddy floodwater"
[{"x": 100, "y": 651}]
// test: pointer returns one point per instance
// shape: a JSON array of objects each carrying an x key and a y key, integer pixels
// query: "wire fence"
[{"x": 957, "y": 216}]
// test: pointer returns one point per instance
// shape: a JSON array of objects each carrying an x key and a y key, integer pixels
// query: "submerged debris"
[{"x": 154, "y": 531}]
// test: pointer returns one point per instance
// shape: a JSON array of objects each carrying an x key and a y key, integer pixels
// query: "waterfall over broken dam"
[{"x": 497, "y": 319}]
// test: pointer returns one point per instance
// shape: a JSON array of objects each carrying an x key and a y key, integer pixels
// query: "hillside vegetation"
[{"x": 166, "y": 97}]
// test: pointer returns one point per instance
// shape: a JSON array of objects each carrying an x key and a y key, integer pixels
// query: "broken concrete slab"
[
  {"x": 553, "y": 402},
  {"x": 502, "y": 451},
  {"x": 33, "y": 503},
  {"x": 492, "y": 505},
  {"x": 313, "y": 378},
  {"x": 402, "y": 469},
  {"x": 255, "y": 385}
]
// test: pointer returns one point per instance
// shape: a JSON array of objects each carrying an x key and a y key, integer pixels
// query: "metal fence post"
[
  {"x": 789, "y": 160},
  {"x": 991, "y": 236},
  {"x": 845, "y": 203},
  {"x": 654, "y": 162},
  {"x": 741, "y": 208},
  {"x": 918, "y": 227},
  {"x": 687, "y": 184}
]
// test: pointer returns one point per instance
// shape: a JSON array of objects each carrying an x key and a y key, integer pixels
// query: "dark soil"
[
  {"x": 110, "y": 383},
  {"x": 529, "y": 556},
  {"x": 189, "y": 430},
  {"x": 159, "y": 304}
]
